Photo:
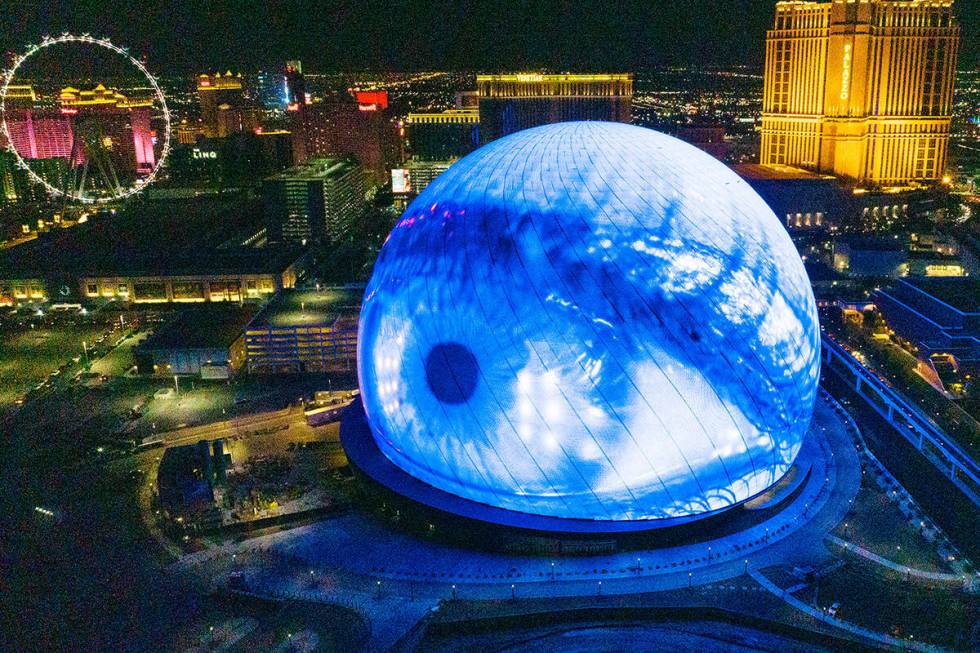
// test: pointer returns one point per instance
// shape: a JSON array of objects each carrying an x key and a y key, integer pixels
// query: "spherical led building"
[{"x": 592, "y": 321}]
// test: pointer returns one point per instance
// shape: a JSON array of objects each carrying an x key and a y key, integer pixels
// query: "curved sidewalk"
[
  {"x": 854, "y": 629},
  {"x": 934, "y": 576}
]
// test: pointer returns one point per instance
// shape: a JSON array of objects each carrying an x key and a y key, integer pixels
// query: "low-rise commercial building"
[
  {"x": 802, "y": 200},
  {"x": 870, "y": 256},
  {"x": 939, "y": 317},
  {"x": 805, "y": 200},
  {"x": 897, "y": 255},
  {"x": 206, "y": 341},
  {"x": 254, "y": 280},
  {"x": 411, "y": 180},
  {"x": 21, "y": 290},
  {"x": 305, "y": 331},
  {"x": 196, "y": 251}
]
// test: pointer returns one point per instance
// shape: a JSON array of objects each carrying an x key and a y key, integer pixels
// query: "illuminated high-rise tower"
[
  {"x": 296, "y": 95},
  {"x": 222, "y": 104},
  {"x": 296, "y": 100},
  {"x": 510, "y": 103},
  {"x": 860, "y": 88}
]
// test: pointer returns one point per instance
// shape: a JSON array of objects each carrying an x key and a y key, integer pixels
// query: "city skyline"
[
  {"x": 647, "y": 326},
  {"x": 486, "y": 37}
]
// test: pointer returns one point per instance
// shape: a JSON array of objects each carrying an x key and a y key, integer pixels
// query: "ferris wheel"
[{"x": 91, "y": 175}]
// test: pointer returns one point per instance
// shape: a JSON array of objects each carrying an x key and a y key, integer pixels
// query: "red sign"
[{"x": 371, "y": 100}]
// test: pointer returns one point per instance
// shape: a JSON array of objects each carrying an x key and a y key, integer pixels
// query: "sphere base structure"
[{"x": 427, "y": 510}]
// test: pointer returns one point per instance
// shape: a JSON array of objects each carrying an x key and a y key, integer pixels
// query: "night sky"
[{"x": 191, "y": 35}]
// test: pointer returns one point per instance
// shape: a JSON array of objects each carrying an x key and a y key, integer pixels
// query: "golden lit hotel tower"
[
  {"x": 510, "y": 103},
  {"x": 861, "y": 89}
]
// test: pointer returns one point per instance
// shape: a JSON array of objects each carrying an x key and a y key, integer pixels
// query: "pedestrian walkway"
[
  {"x": 854, "y": 629},
  {"x": 394, "y": 578},
  {"x": 384, "y": 553},
  {"x": 226, "y": 636},
  {"x": 934, "y": 576},
  {"x": 906, "y": 504}
]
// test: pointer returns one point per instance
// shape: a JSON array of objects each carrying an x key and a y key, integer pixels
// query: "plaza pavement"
[{"x": 393, "y": 579}]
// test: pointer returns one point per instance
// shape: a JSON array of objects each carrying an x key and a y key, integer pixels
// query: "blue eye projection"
[{"x": 590, "y": 320}]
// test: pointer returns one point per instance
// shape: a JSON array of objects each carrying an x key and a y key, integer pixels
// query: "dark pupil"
[{"x": 452, "y": 372}]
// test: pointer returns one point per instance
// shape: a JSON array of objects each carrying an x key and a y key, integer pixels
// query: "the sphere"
[{"x": 590, "y": 320}]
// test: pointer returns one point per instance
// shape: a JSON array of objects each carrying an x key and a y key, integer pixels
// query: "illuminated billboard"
[
  {"x": 371, "y": 100},
  {"x": 590, "y": 320},
  {"x": 401, "y": 182}
]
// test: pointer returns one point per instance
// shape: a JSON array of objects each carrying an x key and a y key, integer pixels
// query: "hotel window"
[{"x": 92, "y": 289}]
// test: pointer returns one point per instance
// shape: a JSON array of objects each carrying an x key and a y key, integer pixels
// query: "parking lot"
[{"x": 29, "y": 355}]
